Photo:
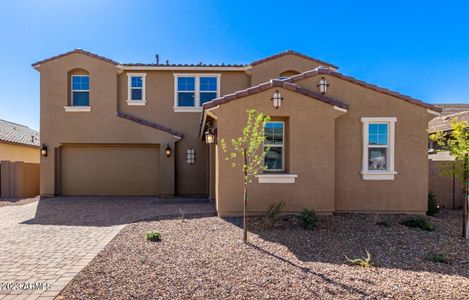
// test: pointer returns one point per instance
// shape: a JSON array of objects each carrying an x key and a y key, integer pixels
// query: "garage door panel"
[{"x": 109, "y": 170}]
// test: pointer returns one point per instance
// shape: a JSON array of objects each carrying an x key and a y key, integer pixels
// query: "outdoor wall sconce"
[
  {"x": 167, "y": 151},
  {"x": 44, "y": 150},
  {"x": 276, "y": 99},
  {"x": 210, "y": 135},
  {"x": 323, "y": 85}
]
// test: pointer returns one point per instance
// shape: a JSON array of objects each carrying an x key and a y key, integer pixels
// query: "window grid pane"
[
  {"x": 208, "y": 84},
  {"x": 377, "y": 159},
  {"x": 80, "y": 98},
  {"x": 206, "y": 97},
  {"x": 186, "y": 83},
  {"x": 377, "y": 134},
  {"x": 274, "y": 158},
  {"x": 136, "y": 94},
  {"x": 273, "y": 133},
  {"x": 80, "y": 83},
  {"x": 186, "y": 99},
  {"x": 136, "y": 81}
]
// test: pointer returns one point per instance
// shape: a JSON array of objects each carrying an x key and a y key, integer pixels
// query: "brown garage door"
[{"x": 109, "y": 170}]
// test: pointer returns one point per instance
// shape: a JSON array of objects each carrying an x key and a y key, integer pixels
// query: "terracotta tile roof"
[
  {"x": 443, "y": 123},
  {"x": 330, "y": 72},
  {"x": 270, "y": 84},
  {"x": 450, "y": 108},
  {"x": 287, "y": 52},
  {"x": 72, "y": 52},
  {"x": 150, "y": 124},
  {"x": 18, "y": 134},
  {"x": 184, "y": 65}
]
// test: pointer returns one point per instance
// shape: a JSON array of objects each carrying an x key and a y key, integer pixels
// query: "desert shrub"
[
  {"x": 362, "y": 262},
  {"x": 182, "y": 216},
  {"x": 383, "y": 223},
  {"x": 273, "y": 213},
  {"x": 308, "y": 218},
  {"x": 153, "y": 236},
  {"x": 419, "y": 222},
  {"x": 437, "y": 258},
  {"x": 433, "y": 207}
]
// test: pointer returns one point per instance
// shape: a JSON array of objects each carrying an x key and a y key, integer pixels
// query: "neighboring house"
[
  {"x": 138, "y": 129},
  {"x": 18, "y": 143},
  {"x": 443, "y": 123},
  {"x": 447, "y": 189}
]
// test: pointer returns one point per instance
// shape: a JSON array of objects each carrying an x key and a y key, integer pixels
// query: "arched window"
[
  {"x": 79, "y": 92},
  {"x": 287, "y": 74}
]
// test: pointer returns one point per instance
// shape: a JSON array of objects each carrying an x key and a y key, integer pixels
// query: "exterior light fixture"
[
  {"x": 44, "y": 150},
  {"x": 210, "y": 135},
  {"x": 323, "y": 85},
  {"x": 276, "y": 99},
  {"x": 167, "y": 151}
]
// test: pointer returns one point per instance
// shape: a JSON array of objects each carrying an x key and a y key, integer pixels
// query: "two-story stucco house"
[{"x": 336, "y": 144}]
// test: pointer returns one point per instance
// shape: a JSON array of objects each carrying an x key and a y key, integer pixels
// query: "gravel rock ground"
[
  {"x": 17, "y": 201},
  {"x": 205, "y": 258}
]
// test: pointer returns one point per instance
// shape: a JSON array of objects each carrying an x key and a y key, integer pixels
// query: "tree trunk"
[
  {"x": 245, "y": 199},
  {"x": 465, "y": 231}
]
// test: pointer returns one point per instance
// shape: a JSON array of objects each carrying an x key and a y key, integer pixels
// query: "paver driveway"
[{"x": 44, "y": 244}]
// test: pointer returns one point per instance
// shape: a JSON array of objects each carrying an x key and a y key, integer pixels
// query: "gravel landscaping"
[
  {"x": 17, "y": 201},
  {"x": 205, "y": 258}
]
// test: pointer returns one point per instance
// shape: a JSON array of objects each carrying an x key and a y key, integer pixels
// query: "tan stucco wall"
[
  {"x": 408, "y": 192},
  {"x": 272, "y": 69},
  {"x": 99, "y": 126},
  {"x": 310, "y": 143},
  {"x": 13, "y": 152},
  {"x": 191, "y": 179}
]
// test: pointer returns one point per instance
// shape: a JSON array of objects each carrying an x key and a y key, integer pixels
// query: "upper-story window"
[
  {"x": 136, "y": 89},
  {"x": 193, "y": 90},
  {"x": 378, "y": 148},
  {"x": 274, "y": 133},
  {"x": 80, "y": 90}
]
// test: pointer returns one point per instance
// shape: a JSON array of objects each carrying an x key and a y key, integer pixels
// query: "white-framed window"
[
  {"x": 80, "y": 90},
  {"x": 274, "y": 133},
  {"x": 378, "y": 148},
  {"x": 190, "y": 156},
  {"x": 191, "y": 91},
  {"x": 136, "y": 89}
]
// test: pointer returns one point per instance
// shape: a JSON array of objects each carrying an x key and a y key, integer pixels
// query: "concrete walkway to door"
[{"x": 44, "y": 244}]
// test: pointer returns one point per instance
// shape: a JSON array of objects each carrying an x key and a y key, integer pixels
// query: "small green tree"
[
  {"x": 457, "y": 143},
  {"x": 247, "y": 152}
]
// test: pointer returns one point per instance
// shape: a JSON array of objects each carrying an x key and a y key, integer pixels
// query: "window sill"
[
  {"x": 187, "y": 109},
  {"x": 277, "y": 178},
  {"x": 368, "y": 175},
  {"x": 136, "y": 102},
  {"x": 77, "y": 108}
]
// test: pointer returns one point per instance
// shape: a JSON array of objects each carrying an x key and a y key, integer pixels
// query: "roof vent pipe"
[{"x": 157, "y": 59}]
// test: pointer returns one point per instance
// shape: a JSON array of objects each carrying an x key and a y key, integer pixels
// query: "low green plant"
[
  {"x": 153, "y": 236},
  {"x": 182, "y": 216},
  {"x": 274, "y": 211},
  {"x": 383, "y": 223},
  {"x": 362, "y": 262},
  {"x": 418, "y": 222},
  {"x": 433, "y": 207},
  {"x": 437, "y": 258},
  {"x": 308, "y": 218}
]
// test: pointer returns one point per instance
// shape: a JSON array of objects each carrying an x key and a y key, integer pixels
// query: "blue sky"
[{"x": 419, "y": 48}]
